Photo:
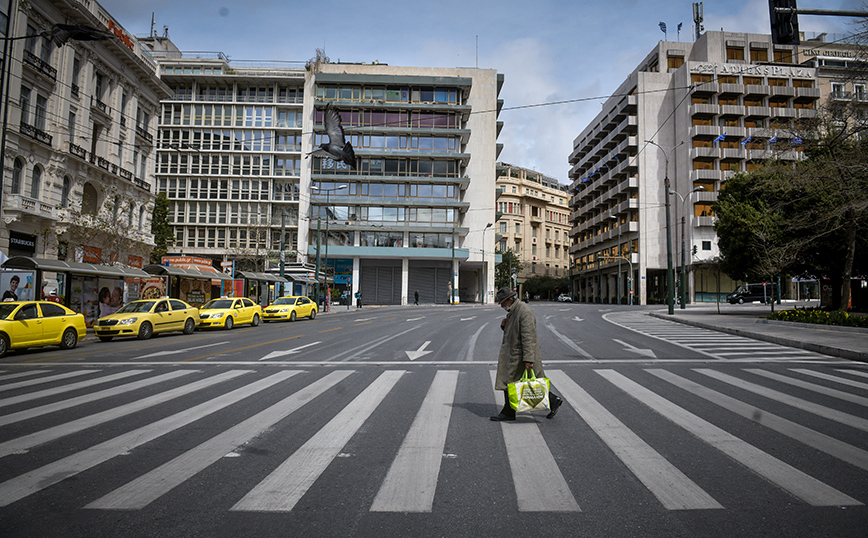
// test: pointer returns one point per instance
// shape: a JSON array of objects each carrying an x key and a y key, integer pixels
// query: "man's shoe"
[
  {"x": 555, "y": 405},
  {"x": 501, "y": 417}
]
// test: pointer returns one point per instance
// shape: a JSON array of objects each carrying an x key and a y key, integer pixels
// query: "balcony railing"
[
  {"x": 40, "y": 65},
  {"x": 99, "y": 105},
  {"x": 31, "y": 206},
  {"x": 36, "y": 134},
  {"x": 142, "y": 132},
  {"x": 82, "y": 154}
]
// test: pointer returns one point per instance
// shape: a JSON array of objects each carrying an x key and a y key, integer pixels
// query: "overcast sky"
[{"x": 547, "y": 50}]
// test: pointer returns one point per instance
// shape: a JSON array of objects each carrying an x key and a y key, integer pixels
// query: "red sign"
[
  {"x": 91, "y": 254},
  {"x": 134, "y": 261},
  {"x": 123, "y": 36}
]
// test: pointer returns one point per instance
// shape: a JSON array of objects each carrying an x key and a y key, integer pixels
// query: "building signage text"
[
  {"x": 830, "y": 53},
  {"x": 758, "y": 70},
  {"x": 123, "y": 36}
]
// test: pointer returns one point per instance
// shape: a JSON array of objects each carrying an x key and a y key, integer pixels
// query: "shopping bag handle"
[{"x": 524, "y": 375}]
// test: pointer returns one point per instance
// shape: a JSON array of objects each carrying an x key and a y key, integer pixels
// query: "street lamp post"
[
  {"x": 484, "y": 279},
  {"x": 328, "y": 193},
  {"x": 683, "y": 220},
  {"x": 670, "y": 276},
  {"x": 614, "y": 218}
]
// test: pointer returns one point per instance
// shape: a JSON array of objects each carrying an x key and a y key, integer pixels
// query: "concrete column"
[
  {"x": 356, "y": 282},
  {"x": 405, "y": 279}
]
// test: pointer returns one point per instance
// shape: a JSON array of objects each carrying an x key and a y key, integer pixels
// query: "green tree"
[
  {"x": 510, "y": 263},
  {"x": 161, "y": 229}
]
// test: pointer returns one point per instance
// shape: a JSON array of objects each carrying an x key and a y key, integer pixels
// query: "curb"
[{"x": 808, "y": 346}]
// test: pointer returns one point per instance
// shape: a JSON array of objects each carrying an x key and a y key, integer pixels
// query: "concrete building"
[
  {"x": 533, "y": 219},
  {"x": 233, "y": 159},
  {"x": 79, "y": 138},
  {"x": 842, "y": 75},
  {"x": 709, "y": 109},
  {"x": 418, "y": 212}
]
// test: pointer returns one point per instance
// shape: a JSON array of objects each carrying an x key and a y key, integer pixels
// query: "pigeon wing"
[{"x": 333, "y": 127}]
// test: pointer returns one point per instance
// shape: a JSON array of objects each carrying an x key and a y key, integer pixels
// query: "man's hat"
[{"x": 503, "y": 294}]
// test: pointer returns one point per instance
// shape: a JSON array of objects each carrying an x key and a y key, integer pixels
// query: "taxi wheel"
[
  {"x": 69, "y": 339},
  {"x": 106, "y": 338},
  {"x": 255, "y": 320},
  {"x": 189, "y": 326},
  {"x": 4, "y": 344},
  {"x": 292, "y": 316},
  {"x": 312, "y": 314},
  {"x": 145, "y": 331},
  {"x": 229, "y": 323}
]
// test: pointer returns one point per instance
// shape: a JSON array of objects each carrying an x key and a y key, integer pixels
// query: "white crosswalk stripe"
[
  {"x": 532, "y": 447},
  {"x": 710, "y": 343}
]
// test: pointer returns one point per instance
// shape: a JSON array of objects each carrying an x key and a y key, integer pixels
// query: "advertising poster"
[
  {"x": 16, "y": 285},
  {"x": 195, "y": 292},
  {"x": 85, "y": 297},
  {"x": 153, "y": 288},
  {"x": 111, "y": 295}
]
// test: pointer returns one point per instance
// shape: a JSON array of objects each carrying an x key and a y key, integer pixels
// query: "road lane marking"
[
  {"x": 355, "y": 352},
  {"x": 48, "y": 379},
  {"x": 785, "y": 476},
  {"x": 176, "y": 351},
  {"x": 416, "y": 319},
  {"x": 413, "y": 355},
  {"x": 23, "y": 374},
  {"x": 570, "y": 344},
  {"x": 293, "y": 351},
  {"x": 633, "y": 349},
  {"x": 243, "y": 348},
  {"x": 327, "y": 330},
  {"x": 467, "y": 351},
  {"x": 673, "y": 488},
  {"x": 38, "y": 438},
  {"x": 539, "y": 484},
  {"x": 147, "y": 488},
  {"x": 285, "y": 486},
  {"x": 839, "y": 394},
  {"x": 67, "y": 388},
  {"x": 364, "y": 323},
  {"x": 412, "y": 479},
  {"x": 48, "y": 475}
]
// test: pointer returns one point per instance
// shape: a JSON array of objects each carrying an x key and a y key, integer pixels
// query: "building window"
[
  {"x": 16, "y": 175},
  {"x": 36, "y": 185},
  {"x": 759, "y": 55},
  {"x": 64, "y": 192},
  {"x": 39, "y": 112},
  {"x": 783, "y": 56},
  {"x": 734, "y": 53},
  {"x": 706, "y": 245},
  {"x": 24, "y": 103},
  {"x": 859, "y": 92},
  {"x": 837, "y": 91},
  {"x": 503, "y": 227},
  {"x": 674, "y": 62}
]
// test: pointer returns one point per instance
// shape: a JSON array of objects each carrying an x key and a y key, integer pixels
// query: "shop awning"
[
  {"x": 58, "y": 266},
  {"x": 260, "y": 277},
  {"x": 156, "y": 269},
  {"x": 302, "y": 278},
  {"x": 274, "y": 278}
]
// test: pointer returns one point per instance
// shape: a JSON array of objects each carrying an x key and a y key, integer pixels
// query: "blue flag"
[
  {"x": 797, "y": 141},
  {"x": 586, "y": 179},
  {"x": 773, "y": 139},
  {"x": 719, "y": 138},
  {"x": 745, "y": 141},
  {"x": 617, "y": 159}
]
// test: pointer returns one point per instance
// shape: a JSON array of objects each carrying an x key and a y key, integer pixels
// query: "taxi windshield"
[
  {"x": 285, "y": 300},
  {"x": 6, "y": 309},
  {"x": 218, "y": 303},
  {"x": 134, "y": 307}
]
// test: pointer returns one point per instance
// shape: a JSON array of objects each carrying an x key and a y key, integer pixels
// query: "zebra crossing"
[
  {"x": 714, "y": 344},
  {"x": 793, "y": 401}
]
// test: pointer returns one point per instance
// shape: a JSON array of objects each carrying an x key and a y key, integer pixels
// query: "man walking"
[
  {"x": 518, "y": 352},
  {"x": 416, "y": 296}
]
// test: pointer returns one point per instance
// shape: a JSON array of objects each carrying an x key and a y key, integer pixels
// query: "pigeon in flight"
[{"x": 337, "y": 148}]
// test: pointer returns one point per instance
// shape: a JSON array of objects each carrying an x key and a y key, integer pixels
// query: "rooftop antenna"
[
  {"x": 697, "y": 19},
  {"x": 153, "y": 34}
]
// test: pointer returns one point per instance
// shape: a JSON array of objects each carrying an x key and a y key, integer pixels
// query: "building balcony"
[
  {"x": 704, "y": 130},
  {"x": 699, "y": 222},
  {"x": 731, "y": 110},
  {"x": 706, "y": 88},
  {"x": 16, "y": 206},
  {"x": 784, "y": 112},
  {"x": 104, "y": 164},
  {"x": 753, "y": 89},
  {"x": 705, "y": 196},
  {"x": 36, "y": 134},
  {"x": 701, "y": 109},
  {"x": 808, "y": 93},
  {"x": 40, "y": 65},
  {"x": 705, "y": 175},
  {"x": 733, "y": 132},
  {"x": 734, "y": 153},
  {"x": 758, "y": 111},
  {"x": 705, "y": 153},
  {"x": 144, "y": 134},
  {"x": 784, "y": 91},
  {"x": 731, "y": 89},
  {"x": 806, "y": 113}
]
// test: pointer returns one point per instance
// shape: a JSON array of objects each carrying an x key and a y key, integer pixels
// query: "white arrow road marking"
[
  {"x": 293, "y": 351},
  {"x": 633, "y": 349},
  {"x": 419, "y": 352},
  {"x": 416, "y": 319},
  {"x": 577, "y": 318},
  {"x": 467, "y": 319},
  {"x": 572, "y": 345},
  {"x": 365, "y": 319},
  {"x": 176, "y": 351}
]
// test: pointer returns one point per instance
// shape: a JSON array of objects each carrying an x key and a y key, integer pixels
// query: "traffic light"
[
  {"x": 694, "y": 250},
  {"x": 785, "y": 26}
]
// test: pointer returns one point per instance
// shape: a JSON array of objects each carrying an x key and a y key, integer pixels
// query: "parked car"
[
  {"x": 146, "y": 317},
  {"x": 227, "y": 312},
  {"x": 564, "y": 298},
  {"x": 25, "y": 324},
  {"x": 290, "y": 308},
  {"x": 747, "y": 293}
]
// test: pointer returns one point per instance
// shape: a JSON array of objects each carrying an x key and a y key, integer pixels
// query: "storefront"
[
  {"x": 192, "y": 286},
  {"x": 260, "y": 287},
  {"x": 93, "y": 290}
]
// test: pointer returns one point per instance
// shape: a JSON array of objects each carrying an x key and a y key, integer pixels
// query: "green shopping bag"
[{"x": 528, "y": 394}]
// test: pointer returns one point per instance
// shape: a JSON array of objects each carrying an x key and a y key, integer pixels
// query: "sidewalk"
[{"x": 748, "y": 320}]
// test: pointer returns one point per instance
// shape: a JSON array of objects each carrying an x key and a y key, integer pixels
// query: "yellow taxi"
[
  {"x": 289, "y": 308},
  {"x": 26, "y": 324},
  {"x": 228, "y": 312},
  {"x": 146, "y": 317}
]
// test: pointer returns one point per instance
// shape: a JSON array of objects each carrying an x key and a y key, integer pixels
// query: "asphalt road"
[{"x": 374, "y": 422}]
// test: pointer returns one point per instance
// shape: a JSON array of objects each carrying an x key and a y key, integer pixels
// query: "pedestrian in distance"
[
  {"x": 358, "y": 299},
  {"x": 416, "y": 296},
  {"x": 518, "y": 352}
]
